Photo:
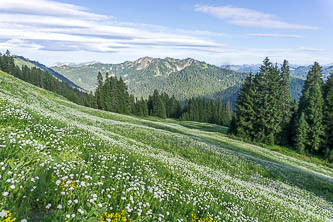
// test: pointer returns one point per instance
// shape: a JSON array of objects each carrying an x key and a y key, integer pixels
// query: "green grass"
[
  {"x": 96, "y": 164},
  {"x": 20, "y": 62}
]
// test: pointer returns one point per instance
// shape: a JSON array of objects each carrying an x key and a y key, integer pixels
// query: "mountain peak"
[
  {"x": 143, "y": 62},
  {"x": 144, "y": 59}
]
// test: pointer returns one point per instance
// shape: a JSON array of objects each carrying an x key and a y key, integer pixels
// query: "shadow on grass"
[{"x": 319, "y": 185}]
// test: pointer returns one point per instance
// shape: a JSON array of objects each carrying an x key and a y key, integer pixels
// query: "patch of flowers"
[{"x": 63, "y": 162}]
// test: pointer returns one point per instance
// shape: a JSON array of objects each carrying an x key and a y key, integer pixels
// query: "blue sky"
[{"x": 218, "y": 32}]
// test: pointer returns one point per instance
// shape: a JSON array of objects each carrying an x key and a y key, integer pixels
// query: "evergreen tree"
[
  {"x": 99, "y": 93},
  {"x": 219, "y": 112},
  {"x": 311, "y": 103},
  {"x": 328, "y": 115},
  {"x": 132, "y": 104},
  {"x": 285, "y": 104},
  {"x": 227, "y": 114},
  {"x": 267, "y": 103},
  {"x": 301, "y": 134},
  {"x": 245, "y": 111},
  {"x": 158, "y": 108},
  {"x": 144, "y": 105},
  {"x": 232, "y": 130},
  {"x": 292, "y": 126},
  {"x": 106, "y": 94}
]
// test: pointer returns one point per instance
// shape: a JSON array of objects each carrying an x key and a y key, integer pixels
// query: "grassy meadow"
[{"x": 63, "y": 162}]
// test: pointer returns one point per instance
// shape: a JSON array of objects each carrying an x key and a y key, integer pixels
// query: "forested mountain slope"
[{"x": 184, "y": 79}]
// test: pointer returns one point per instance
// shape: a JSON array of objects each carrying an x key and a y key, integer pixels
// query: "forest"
[{"x": 266, "y": 114}]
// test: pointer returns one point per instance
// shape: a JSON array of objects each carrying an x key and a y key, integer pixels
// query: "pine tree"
[
  {"x": 218, "y": 113},
  {"x": 227, "y": 114},
  {"x": 267, "y": 103},
  {"x": 311, "y": 103},
  {"x": 292, "y": 126},
  {"x": 285, "y": 104},
  {"x": 106, "y": 92},
  {"x": 158, "y": 108},
  {"x": 99, "y": 93},
  {"x": 132, "y": 104},
  {"x": 328, "y": 115},
  {"x": 144, "y": 105},
  {"x": 232, "y": 130},
  {"x": 245, "y": 113},
  {"x": 301, "y": 134}
]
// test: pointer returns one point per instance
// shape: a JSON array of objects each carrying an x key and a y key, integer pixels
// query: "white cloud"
[
  {"x": 50, "y": 24},
  {"x": 249, "y": 17},
  {"x": 271, "y": 35},
  {"x": 44, "y": 7},
  {"x": 39, "y": 29}
]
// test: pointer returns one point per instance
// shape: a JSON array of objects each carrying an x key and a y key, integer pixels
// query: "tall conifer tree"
[
  {"x": 311, "y": 103},
  {"x": 245, "y": 113},
  {"x": 328, "y": 115},
  {"x": 285, "y": 102},
  {"x": 301, "y": 134}
]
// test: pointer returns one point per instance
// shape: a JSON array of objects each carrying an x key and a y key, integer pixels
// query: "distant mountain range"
[
  {"x": 183, "y": 78},
  {"x": 295, "y": 70}
]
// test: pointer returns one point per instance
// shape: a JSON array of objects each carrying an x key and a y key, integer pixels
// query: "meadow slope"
[{"x": 64, "y": 162}]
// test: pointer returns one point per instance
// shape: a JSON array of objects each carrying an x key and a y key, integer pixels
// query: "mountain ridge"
[{"x": 184, "y": 78}]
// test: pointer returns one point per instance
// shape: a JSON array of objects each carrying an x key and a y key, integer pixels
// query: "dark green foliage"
[
  {"x": 301, "y": 134},
  {"x": 157, "y": 105},
  {"x": 99, "y": 93},
  {"x": 311, "y": 103},
  {"x": 267, "y": 103},
  {"x": 173, "y": 108},
  {"x": 112, "y": 95},
  {"x": 226, "y": 114},
  {"x": 285, "y": 104},
  {"x": 44, "y": 79},
  {"x": 202, "y": 110},
  {"x": 328, "y": 115},
  {"x": 141, "y": 107},
  {"x": 263, "y": 108},
  {"x": 265, "y": 113},
  {"x": 245, "y": 111},
  {"x": 292, "y": 125}
]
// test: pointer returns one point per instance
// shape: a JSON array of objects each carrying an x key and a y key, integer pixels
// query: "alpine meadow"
[{"x": 175, "y": 111}]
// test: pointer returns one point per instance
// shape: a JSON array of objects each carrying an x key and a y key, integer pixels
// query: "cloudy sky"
[{"x": 218, "y": 32}]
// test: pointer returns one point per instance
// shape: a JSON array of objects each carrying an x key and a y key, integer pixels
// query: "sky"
[{"x": 219, "y": 32}]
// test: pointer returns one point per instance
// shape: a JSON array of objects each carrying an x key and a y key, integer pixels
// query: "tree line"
[
  {"x": 265, "y": 112},
  {"x": 202, "y": 110},
  {"x": 112, "y": 95}
]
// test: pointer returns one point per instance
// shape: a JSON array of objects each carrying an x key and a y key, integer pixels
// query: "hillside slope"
[
  {"x": 21, "y": 61},
  {"x": 60, "y": 161}
]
